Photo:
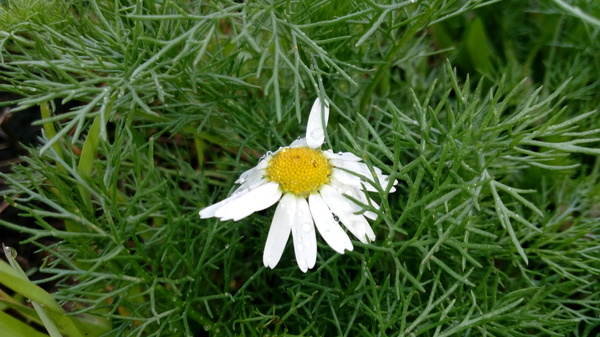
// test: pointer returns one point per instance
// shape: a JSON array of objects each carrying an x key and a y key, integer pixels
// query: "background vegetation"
[{"x": 485, "y": 111}]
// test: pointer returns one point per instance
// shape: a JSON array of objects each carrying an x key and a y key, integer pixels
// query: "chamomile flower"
[{"x": 311, "y": 186}]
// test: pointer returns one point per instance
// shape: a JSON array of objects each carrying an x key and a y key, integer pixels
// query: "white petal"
[
  {"x": 394, "y": 183},
  {"x": 279, "y": 232},
  {"x": 254, "y": 180},
  {"x": 253, "y": 201},
  {"x": 354, "y": 166},
  {"x": 371, "y": 215},
  {"x": 259, "y": 168},
  {"x": 300, "y": 142},
  {"x": 350, "y": 179},
  {"x": 363, "y": 169},
  {"x": 210, "y": 211},
  {"x": 342, "y": 190},
  {"x": 357, "y": 194},
  {"x": 305, "y": 239},
  {"x": 330, "y": 230},
  {"x": 341, "y": 155},
  {"x": 342, "y": 207},
  {"x": 317, "y": 121},
  {"x": 360, "y": 169}
]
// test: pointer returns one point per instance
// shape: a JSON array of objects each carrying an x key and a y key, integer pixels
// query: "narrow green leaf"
[{"x": 12, "y": 327}]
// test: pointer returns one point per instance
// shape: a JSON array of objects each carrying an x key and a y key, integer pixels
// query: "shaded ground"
[{"x": 16, "y": 130}]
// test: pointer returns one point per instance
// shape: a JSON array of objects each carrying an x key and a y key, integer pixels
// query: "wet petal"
[
  {"x": 357, "y": 194},
  {"x": 317, "y": 121},
  {"x": 342, "y": 207},
  {"x": 280, "y": 230},
  {"x": 258, "y": 169},
  {"x": 303, "y": 233},
  {"x": 348, "y": 156},
  {"x": 330, "y": 230},
  {"x": 300, "y": 142},
  {"x": 210, "y": 211},
  {"x": 252, "y": 201},
  {"x": 363, "y": 169},
  {"x": 350, "y": 179}
]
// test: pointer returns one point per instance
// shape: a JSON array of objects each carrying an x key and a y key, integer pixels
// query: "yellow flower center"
[{"x": 301, "y": 171}]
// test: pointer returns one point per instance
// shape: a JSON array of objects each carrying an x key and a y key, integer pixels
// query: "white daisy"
[{"x": 311, "y": 186}]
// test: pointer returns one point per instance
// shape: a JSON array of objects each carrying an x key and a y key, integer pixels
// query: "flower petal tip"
[
  {"x": 207, "y": 212},
  {"x": 317, "y": 121}
]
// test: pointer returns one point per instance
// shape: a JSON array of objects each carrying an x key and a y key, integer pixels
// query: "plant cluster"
[{"x": 485, "y": 111}]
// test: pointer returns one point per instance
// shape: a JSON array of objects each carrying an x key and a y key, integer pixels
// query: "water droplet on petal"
[
  {"x": 307, "y": 227},
  {"x": 336, "y": 218},
  {"x": 302, "y": 264},
  {"x": 317, "y": 133},
  {"x": 300, "y": 248},
  {"x": 300, "y": 213}
]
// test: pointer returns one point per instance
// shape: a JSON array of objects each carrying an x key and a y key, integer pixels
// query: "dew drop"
[
  {"x": 307, "y": 227},
  {"x": 336, "y": 218},
  {"x": 10, "y": 251},
  {"x": 300, "y": 248},
  {"x": 317, "y": 133},
  {"x": 300, "y": 213},
  {"x": 302, "y": 264}
]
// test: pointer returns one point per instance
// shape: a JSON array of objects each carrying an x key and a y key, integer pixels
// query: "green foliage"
[{"x": 485, "y": 111}]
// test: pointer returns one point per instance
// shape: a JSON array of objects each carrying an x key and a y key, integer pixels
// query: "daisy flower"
[{"x": 311, "y": 186}]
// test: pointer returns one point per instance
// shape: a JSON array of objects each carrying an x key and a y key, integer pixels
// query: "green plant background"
[{"x": 485, "y": 111}]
